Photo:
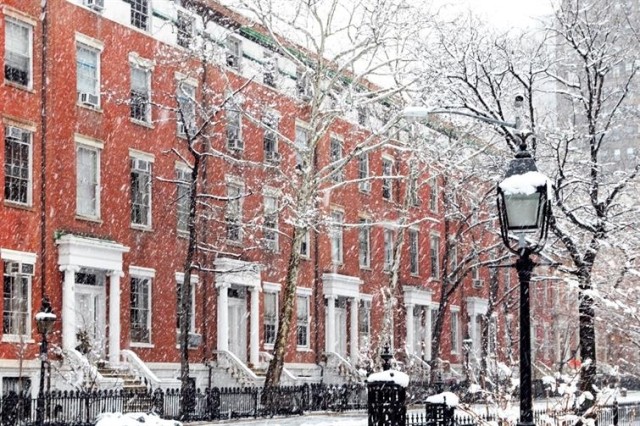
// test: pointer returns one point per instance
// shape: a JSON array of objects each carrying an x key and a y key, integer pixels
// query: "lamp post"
[
  {"x": 45, "y": 320},
  {"x": 523, "y": 210}
]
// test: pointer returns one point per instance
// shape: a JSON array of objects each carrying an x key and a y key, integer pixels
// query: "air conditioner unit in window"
[
  {"x": 194, "y": 340},
  {"x": 478, "y": 283},
  {"x": 14, "y": 133},
  {"x": 234, "y": 141},
  {"x": 88, "y": 99},
  {"x": 365, "y": 186},
  {"x": 94, "y": 4},
  {"x": 272, "y": 156},
  {"x": 141, "y": 165}
]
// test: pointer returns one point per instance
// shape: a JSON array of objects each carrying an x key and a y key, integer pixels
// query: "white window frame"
[
  {"x": 185, "y": 25},
  {"x": 414, "y": 251},
  {"x": 96, "y": 47},
  {"x": 433, "y": 195},
  {"x": 388, "y": 248},
  {"x": 305, "y": 294},
  {"x": 147, "y": 91},
  {"x": 96, "y": 147},
  {"x": 337, "y": 237},
  {"x": 364, "y": 239},
  {"x": 134, "y": 12},
  {"x": 364, "y": 173},
  {"x": 273, "y": 290},
  {"x": 271, "y": 123},
  {"x": 301, "y": 145},
  {"x": 149, "y": 275},
  {"x": 21, "y": 259},
  {"x": 141, "y": 165},
  {"x": 10, "y": 20},
  {"x": 183, "y": 196},
  {"x": 271, "y": 213},
  {"x": 305, "y": 248},
  {"x": 233, "y": 210},
  {"x": 26, "y": 138},
  {"x": 434, "y": 256},
  {"x": 234, "y": 53},
  {"x": 179, "y": 279},
  {"x": 387, "y": 181},
  {"x": 455, "y": 330},
  {"x": 336, "y": 154},
  {"x": 270, "y": 68},
  {"x": 186, "y": 103},
  {"x": 234, "y": 127}
]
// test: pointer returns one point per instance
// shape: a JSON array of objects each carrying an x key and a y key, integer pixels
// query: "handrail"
[
  {"x": 246, "y": 373},
  {"x": 142, "y": 370},
  {"x": 268, "y": 357},
  {"x": 351, "y": 371},
  {"x": 424, "y": 364},
  {"x": 89, "y": 369}
]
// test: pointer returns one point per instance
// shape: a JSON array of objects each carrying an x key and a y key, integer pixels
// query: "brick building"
[{"x": 98, "y": 104}]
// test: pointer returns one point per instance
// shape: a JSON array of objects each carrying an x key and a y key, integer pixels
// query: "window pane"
[
  {"x": 87, "y": 68},
  {"x": 17, "y": 165},
  {"x": 17, "y": 62},
  {"x": 87, "y": 182}
]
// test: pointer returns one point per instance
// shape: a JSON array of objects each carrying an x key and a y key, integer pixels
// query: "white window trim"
[
  {"x": 195, "y": 280},
  {"x": 387, "y": 267},
  {"x": 179, "y": 92},
  {"x": 97, "y": 146},
  {"x": 416, "y": 232},
  {"x": 29, "y": 202},
  {"x": 367, "y": 224},
  {"x": 150, "y": 158},
  {"x": 28, "y": 258},
  {"x": 232, "y": 181},
  {"x": 183, "y": 168},
  {"x": 98, "y": 46},
  {"x": 306, "y": 238},
  {"x": 387, "y": 177},
  {"x": 149, "y": 83},
  {"x": 273, "y": 288},
  {"x": 456, "y": 350},
  {"x": 337, "y": 231},
  {"x": 306, "y": 293},
  {"x": 438, "y": 275},
  {"x": 19, "y": 19},
  {"x": 148, "y": 273}
]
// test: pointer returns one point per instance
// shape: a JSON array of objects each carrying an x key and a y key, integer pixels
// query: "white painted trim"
[
  {"x": 477, "y": 306},
  {"x": 416, "y": 296},
  {"x": 90, "y": 252},
  {"x": 341, "y": 285},
  {"x": 271, "y": 287},
  {"x": 89, "y": 41},
  {"x": 88, "y": 141},
  {"x": 139, "y": 271},
  {"x": 303, "y": 291},
  {"x": 138, "y": 61},
  {"x": 134, "y": 153},
  {"x": 180, "y": 278},
  {"x": 18, "y": 256},
  {"x": 184, "y": 79},
  {"x": 237, "y": 272},
  {"x": 19, "y": 15}
]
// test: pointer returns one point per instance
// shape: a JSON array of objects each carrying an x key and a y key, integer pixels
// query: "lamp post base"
[{"x": 526, "y": 424}]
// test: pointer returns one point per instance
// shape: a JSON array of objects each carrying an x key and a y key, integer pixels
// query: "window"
[
  {"x": 616, "y": 154},
  {"x": 364, "y": 240},
  {"x": 233, "y": 214},
  {"x": 16, "y": 316},
  {"x": 19, "y": 385},
  {"x": 630, "y": 153},
  {"x": 301, "y": 146},
  {"x": 234, "y": 53},
  {"x": 412, "y": 188},
  {"x": 455, "y": 332},
  {"x": 388, "y": 249},
  {"x": 387, "y": 182},
  {"x": 186, "y": 115},
  {"x": 270, "y": 69},
  {"x": 141, "y": 192},
  {"x": 304, "y": 247},
  {"x": 414, "y": 250},
  {"x": 270, "y": 230},
  {"x": 140, "y": 309},
  {"x": 179, "y": 284},
  {"x": 141, "y": 94},
  {"x": 364, "y": 323},
  {"x": 434, "y": 256},
  {"x": 363, "y": 172},
  {"x": 453, "y": 257},
  {"x": 184, "y": 27},
  {"x": 302, "y": 330},
  {"x": 270, "y": 319},
  {"x": 183, "y": 202},
  {"x": 88, "y": 181},
  {"x": 337, "y": 219},
  {"x": 139, "y": 13},
  {"x": 88, "y": 75},
  {"x": 270, "y": 138},
  {"x": 335, "y": 157},
  {"x": 303, "y": 87},
  {"x": 17, "y": 165},
  {"x": 234, "y": 128},
  {"x": 362, "y": 115},
  {"x": 18, "y": 52},
  {"x": 433, "y": 195}
]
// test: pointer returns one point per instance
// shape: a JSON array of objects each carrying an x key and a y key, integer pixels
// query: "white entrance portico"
[
  {"x": 342, "y": 289},
  {"x": 418, "y": 321},
  {"x": 90, "y": 261},
  {"x": 234, "y": 278},
  {"x": 476, "y": 309}
]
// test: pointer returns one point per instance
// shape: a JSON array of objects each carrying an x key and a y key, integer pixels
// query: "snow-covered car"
[{"x": 133, "y": 419}]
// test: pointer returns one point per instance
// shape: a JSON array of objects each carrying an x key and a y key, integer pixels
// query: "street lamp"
[
  {"x": 45, "y": 320},
  {"x": 523, "y": 210}
]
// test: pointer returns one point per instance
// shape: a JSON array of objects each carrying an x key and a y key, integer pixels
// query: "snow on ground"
[{"x": 133, "y": 419}]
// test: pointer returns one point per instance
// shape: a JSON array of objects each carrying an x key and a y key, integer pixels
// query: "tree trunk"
[{"x": 587, "y": 337}]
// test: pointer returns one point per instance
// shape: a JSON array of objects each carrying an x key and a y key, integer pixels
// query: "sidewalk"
[{"x": 312, "y": 419}]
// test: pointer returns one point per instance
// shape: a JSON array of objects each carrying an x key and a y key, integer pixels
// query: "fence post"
[{"x": 615, "y": 413}]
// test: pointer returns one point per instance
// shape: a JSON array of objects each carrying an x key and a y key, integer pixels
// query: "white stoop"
[{"x": 338, "y": 370}]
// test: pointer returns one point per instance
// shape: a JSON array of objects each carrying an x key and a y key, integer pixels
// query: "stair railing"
[{"x": 140, "y": 369}]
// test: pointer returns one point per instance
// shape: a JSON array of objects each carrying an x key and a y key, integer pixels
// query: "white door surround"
[
  {"x": 238, "y": 325},
  {"x": 345, "y": 287},
  {"x": 246, "y": 275},
  {"x": 74, "y": 253},
  {"x": 90, "y": 315},
  {"x": 414, "y": 296}
]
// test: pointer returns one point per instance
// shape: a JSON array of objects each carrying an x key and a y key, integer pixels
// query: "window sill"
[
  {"x": 366, "y": 268},
  {"x": 20, "y": 206},
  {"x": 305, "y": 257},
  {"x": 269, "y": 347},
  {"x": 19, "y": 86},
  {"x": 415, "y": 275},
  {"x": 142, "y": 123},
  {"x": 142, "y": 345},
  {"x": 142, "y": 228},
  {"x": 303, "y": 349},
  {"x": 234, "y": 243},
  {"x": 364, "y": 191},
  {"x": 191, "y": 348},
  {"x": 89, "y": 219},
  {"x": 90, "y": 108},
  {"x": 14, "y": 338},
  {"x": 183, "y": 234}
]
